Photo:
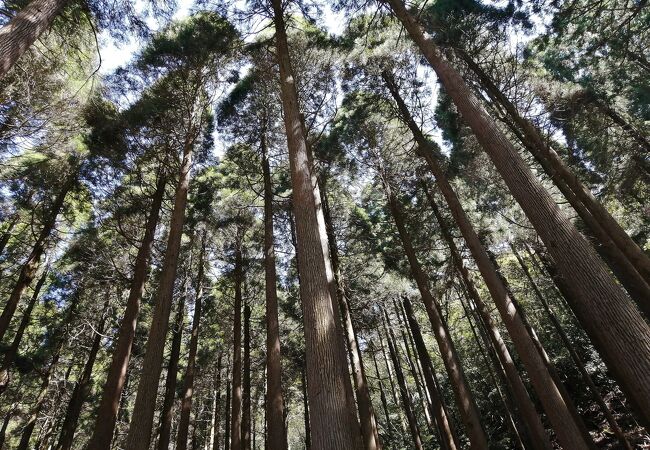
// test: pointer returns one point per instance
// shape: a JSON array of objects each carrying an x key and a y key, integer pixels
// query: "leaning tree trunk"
[
  {"x": 532, "y": 421},
  {"x": 30, "y": 266},
  {"x": 274, "y": 400},
  {"x": 364, "y": 403},
  {"x": 448, "y": 437},
  {"x": 236, "y": 399},
  {"x": 12, "y": 352},
  {"x": 190, "y": 369},
  {"x": 117, "y": 372},
  {"x": 614, "y": 324},
  {"x": 330, "y": 424},
  {"x": 24, "y": 28},
  {"x": 166, "y": 413},
  {"x": 246, "y": 383},
  {"x": 406, "y": 399},
  {"x": 464, "y": 398},
  {"x": 143, "y": 412}
]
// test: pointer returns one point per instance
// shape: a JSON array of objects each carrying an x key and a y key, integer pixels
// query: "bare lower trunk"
[
  {"x": 246, "y": 384},
  {"x": 24, "y": 28},
  {"x": 612, "y": 321},
  {"x": 330, "y": 424},
  {"x": 216, "y": 411},
  {"x": 167, "y": 412},
  {"x": 274, "y": 400},
  {"x": 117, "y": 372},
  {"x": 464, "y": 398},
  {"x": 236, "y": 399},
  {"x": 188, "y": 386},
  {"x": 143, "y": 412},
  {"x": 305, "y": 404}
]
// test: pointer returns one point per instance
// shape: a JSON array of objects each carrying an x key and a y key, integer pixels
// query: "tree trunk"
[
  {"x": 364, "y": 403},
  {"x": 574, "y": 354},
  {"x": 525, "y": 406},
  {"x": 464, "y": 398},
  {"x": 188, "y": 385},
  {"x": 393, "y": 389},
  {"x": 406, "y": 399},
  {"x": 305, "y": 404},
  {"x": 6, "y": 234},
  {"x": 30, "y": 266},
  {"x": 82, "y": 388},
  {"x": 117, "y": 372},
  {"x": 388, "y": 427},
  {"x": 274, "y": 400},
  {"x": 216, "y": 419},
  {"x": 449, "y": 440},
  {"x": 246, "y": 384},
  {"x": 612, "y": 321},
  {"x": 226, "y": 438},
  {"x": 236, "y": 399},
  {"x": 167, "y": 412},
  {"x": 12, "y": 352},
  {"x": 330, "y": 426},
  {"x": 142, "y": 420},
  {"x": 24, "y": 28}
]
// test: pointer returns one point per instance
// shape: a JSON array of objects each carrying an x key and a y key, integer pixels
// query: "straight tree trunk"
[
  {"x": 190, "y": 369},
  {"x": 330, "y": 426},
  {"x": 236, "y": 399},
  {"x": 246, "y": 384},
  {"x": 305, "y": 404},
  {"x": 464, "y": 398},
  {"x": 614, "y": 324},
  {"x": 449, "y": 440},
  {"x": 525, "y": 406},
  {"x": 82, "y": 388},
  {"x": 226, "y": 439},
  {"x": 564, "y": 423},
  {"x": 30, "y": 266},
  {"x": 367, "y": 418},
  {"x": 117, "y": 372},
  {"x": 382, "y": 395},
  {"x": 274, "y": 400},
  {"x": 406, "y": 399},
  {"x": 167, "y": 412},
  {"x": 216, "y": 410},
  {"x": 393, "y": 389},
  {"x": 143, "y": 412},
  {"x": 620, "y": 435},
  {"x": 17, "y": 35},
  {"x": 12, "y": 352}
]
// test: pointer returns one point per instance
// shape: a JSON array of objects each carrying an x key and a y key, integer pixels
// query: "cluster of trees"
[{"x": 430, "y": 230}]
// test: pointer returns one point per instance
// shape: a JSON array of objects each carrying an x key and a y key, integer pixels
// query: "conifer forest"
[{"x": 324, "y": 225}]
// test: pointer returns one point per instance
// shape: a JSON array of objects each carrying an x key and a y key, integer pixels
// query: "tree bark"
[
  {"x": 236, "y": 399},
  {"x": 449, "y": 440},
  {"x": 612, "y": 321},
  {"x": 12, "y": 352},
  {"x": 464, "y": 398},
  {"x": 274, "y": 400},
  {"x": 226, "y": 438},
  {"x": 190, "y": 369},
  {"x": 167, "y": 412},
  {"x": 330, "y": 425},
  {"x": 30, "y": 266},
  {"x": 117, "y": 372},
  {"x": 216, "y": 419},
  {"x": 382, "y": 395},
  {"x": 406, "y": 400},
  {"x": 305, "y": 404},
  {"x": 24, "y": 28},
  {"x": 143, "y": 412},
  {"x": 246, "y": 384}
]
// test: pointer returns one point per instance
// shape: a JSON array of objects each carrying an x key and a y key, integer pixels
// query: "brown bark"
[
  {"x": 449, "y": 439},
  {"x": 364, "y": 403},
  {"x": 330, "y": 419},
  {"x": 24, "y": 28},
  {"x": 401, "y": 382},
  {"x": 216, "y": 410},
  {"x": 12, "y": 352},
  {"x": 463, "y": 395},
  {"x": 82, "y": 388},
  {"x": 167, "y": 412},
  {"x": 246, "y": 383},
  {"x": 190, "y": 369},
  {"x": 226, "y": 438},
  {"x": 305, "y": 404},
  {"x": 382, "y": 395},
  {"x": 117, "y": 372},
  {"x": 274, "y": 400},
  {"x": 524, "y": 404},
  {"x": 548, "y": 391},
  {"x": 573, "y": 353},
  {"x": 611, "y": 320},
  {"x": 236, "y": 398},
  {"x": 143, "y": 412},
  {"x": 30, "y": 266},
  {"x": 393, "y": 390}
]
